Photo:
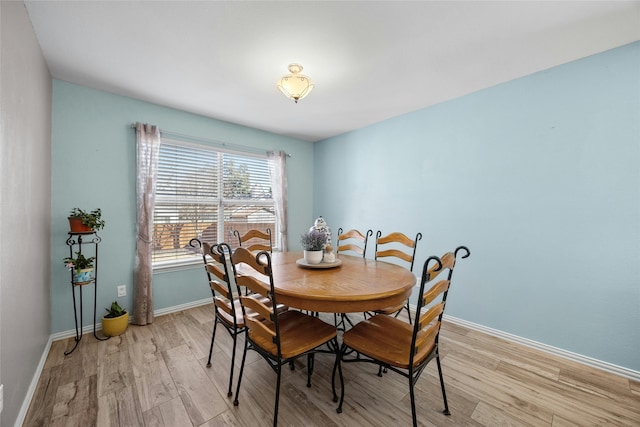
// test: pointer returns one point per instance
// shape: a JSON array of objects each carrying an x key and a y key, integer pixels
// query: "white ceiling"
[{"x": 369, "y": 60}]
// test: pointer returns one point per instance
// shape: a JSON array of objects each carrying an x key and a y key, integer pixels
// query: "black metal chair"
[
  {"x": 278, "y": 338},
  {"x": 227, "y": 306},
  {"x": 394, "y": 344},
  {"x": 399, "y": 246}
]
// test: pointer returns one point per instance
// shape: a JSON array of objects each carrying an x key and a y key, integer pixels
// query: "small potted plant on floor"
[
  {"x": 81, "y": 221},
  {"x": 82, "y": 268},
  {"x": 116, "y": 321},
  {"x": 312, "y": 242}
]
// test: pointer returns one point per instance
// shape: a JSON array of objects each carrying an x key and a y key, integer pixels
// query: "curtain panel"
[
  {"x": 148, "y": 147},
  {"x": 278, "y": 172}
]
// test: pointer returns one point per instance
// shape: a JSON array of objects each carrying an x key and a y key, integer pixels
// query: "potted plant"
[
  {"x": 116, "y": 321},
  {"x": 81, "y": 221},
  {"x": 82, "y": 268},
  {"x": 312, "y": 243}
]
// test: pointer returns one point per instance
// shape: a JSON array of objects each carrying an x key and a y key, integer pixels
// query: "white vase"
[{"x": 313, "y": 257}]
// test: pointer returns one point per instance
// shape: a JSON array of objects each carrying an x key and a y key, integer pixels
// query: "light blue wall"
[
  {"x": 539, "y": 177},
  {"x": 94, "y": 166}
]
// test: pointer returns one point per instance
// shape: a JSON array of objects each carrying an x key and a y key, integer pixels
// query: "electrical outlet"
[{"x": 122, "y": 290}]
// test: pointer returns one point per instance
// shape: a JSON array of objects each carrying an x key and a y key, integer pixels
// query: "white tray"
[{"x": 302, "y": 263}]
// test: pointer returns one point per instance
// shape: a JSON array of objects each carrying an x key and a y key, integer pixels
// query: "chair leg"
[
  {"x": 233, "y": 361},
  {"x": 275, "y": 411},
  {"x": 310, "y": 361},
  {"x": 339, "y": 365},
  {"x": 244, "y": 356},
  {"x": 444, "y": 394},
  {"x": 213, "y": 337},
  {"x": 333, "y": 375},
  {"x": 413, "y": 400}
]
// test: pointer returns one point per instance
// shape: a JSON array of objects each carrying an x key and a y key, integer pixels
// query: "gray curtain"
[
  {"x": 278, "y": 172},
  {"x": 148, "y": 148}
]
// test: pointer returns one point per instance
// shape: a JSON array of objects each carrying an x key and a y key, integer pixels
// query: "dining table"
[{"x": 348, "y": 285}]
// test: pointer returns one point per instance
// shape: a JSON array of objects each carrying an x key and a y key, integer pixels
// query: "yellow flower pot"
[{"x": 114, "y": 326}]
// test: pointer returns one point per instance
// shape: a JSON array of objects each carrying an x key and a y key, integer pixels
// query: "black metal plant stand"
[{"x": 80, "y": 240}]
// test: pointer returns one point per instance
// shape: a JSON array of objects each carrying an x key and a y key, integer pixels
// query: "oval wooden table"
[{"x": 357, "y": 285}]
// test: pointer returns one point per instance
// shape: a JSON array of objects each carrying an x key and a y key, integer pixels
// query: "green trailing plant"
[
  {"x": 313, "y": 240},
  {"x": 80, "y": 262},
  {"x": 91, "y": 219},
  {"x": 115, "y": 310}
]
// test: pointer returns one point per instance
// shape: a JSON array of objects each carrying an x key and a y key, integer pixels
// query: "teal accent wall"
[
  {"x": 539, "y": 177},
  {"x": 94, "y": 165}
]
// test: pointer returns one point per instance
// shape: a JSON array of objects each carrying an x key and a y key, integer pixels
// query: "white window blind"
[{"x": 206, "y": 192}]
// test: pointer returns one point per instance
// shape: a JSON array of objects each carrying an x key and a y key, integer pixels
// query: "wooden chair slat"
[
  {"x": 215, "y": 270},
  {"x": 258, "y": 247},
  {"x": 434, "y": 291},
  {"x": 220, "y": 288},
  {"x": 397, "y": 238},
  {"x": 255, "y": 234},
  {"x": 350, "y": 247},
  {"x": 352, "y": 234},
  {"x": 425, "y": 342},
  {"x": 223, "y": 304},
  {"x": 253, "y": 284},
  {"x": 427, "y": 317},
  {"x": 394, "y": 253},
  {"x": 257, "y": 306},
  {"x": 261, "y": 328}
]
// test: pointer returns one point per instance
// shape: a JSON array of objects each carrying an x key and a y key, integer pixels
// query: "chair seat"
[
  {"x": 386, "y": 339},
  {"x": 299, "y": 333}
]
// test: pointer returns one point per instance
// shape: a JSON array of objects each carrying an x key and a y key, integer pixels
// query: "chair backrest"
[
  {"x": 397, "y": 245},
  {"x": 254, "y": 272},
  {"x": 221, "y": 280},
  {"x": 255, "y": 240},
  {"x": 353, "y": 240},
  {"x": 431, "y": 303}
]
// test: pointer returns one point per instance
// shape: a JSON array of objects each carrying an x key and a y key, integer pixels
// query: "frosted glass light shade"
[{"x": 295, "y": 85}]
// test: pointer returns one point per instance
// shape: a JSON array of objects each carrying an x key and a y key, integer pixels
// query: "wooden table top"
[{"x": 358, "y": 285}]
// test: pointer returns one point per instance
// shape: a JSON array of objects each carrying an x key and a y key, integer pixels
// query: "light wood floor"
[{"x": 156, "y": 376}]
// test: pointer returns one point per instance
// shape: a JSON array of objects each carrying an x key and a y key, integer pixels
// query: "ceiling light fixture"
[{"x": 295, "y": 85}]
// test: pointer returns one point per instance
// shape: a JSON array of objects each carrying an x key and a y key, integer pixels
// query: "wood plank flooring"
[{"x": 157, "y": 376}]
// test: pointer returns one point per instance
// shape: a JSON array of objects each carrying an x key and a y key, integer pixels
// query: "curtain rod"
[{"x": 213, "y": 141}]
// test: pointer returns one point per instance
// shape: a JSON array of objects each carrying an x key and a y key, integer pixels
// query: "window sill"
[{"x": 167, "y": 267}]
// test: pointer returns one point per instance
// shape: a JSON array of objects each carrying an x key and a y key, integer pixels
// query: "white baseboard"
[
  {"x": 595, "y": 363},
  {"x": 34, "y": 384}
]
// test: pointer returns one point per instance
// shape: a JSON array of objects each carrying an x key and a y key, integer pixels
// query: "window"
[{"x": 207, "y": 193}]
